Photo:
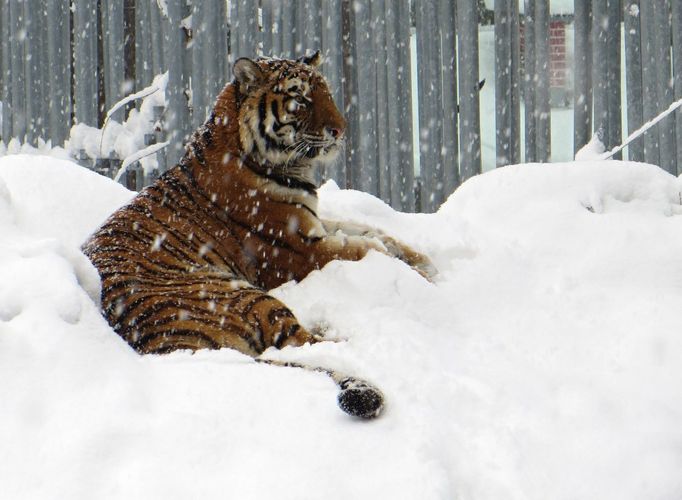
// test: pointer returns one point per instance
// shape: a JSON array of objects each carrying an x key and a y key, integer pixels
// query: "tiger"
[{"x": 187, "y": 264}]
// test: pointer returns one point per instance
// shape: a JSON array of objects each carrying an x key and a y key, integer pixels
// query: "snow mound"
[{"x": 544, "y": 362}]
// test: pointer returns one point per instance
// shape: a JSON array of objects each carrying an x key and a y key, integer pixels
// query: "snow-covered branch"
[
  {"x": 138, "y": 155},
  {"x": 641, "y": 130}
]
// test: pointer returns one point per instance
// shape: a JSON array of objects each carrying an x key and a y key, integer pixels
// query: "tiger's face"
[{"x": 287, "y": 116}]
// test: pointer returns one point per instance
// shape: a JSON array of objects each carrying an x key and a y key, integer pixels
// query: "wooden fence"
[{"x": 68, "y": 61}]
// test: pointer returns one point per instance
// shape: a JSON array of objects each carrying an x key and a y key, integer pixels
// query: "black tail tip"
[{"x": 360, "y": 399}]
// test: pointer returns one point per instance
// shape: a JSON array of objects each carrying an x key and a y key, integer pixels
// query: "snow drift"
[{"x": 544, "y": 362}]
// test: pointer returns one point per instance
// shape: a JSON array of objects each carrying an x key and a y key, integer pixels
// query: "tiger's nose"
[{"x": 335, "y": 132}]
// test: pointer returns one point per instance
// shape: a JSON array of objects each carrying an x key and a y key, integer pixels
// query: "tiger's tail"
[{"x": 357, "y": 397}]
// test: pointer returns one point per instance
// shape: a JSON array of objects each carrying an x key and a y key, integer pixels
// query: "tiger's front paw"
[{"x": 417, "y": 261}]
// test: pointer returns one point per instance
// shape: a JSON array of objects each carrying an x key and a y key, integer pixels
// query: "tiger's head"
[{"x": 288, "y": 121}]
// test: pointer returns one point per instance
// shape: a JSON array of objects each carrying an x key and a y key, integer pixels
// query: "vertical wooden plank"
[
  {"x": 613, "y": 72},
  {"x": 17, "y": 42},
  {"x": 85, "y": 61},
  {"x": 4, "y": 74},
  {"x": 649, "y": 85},
  {"x": 60, "y": 71},
  {"x": 350, "y": 95},
  {"x": 177, "y": 114},
  {"x": 677, "y": 72},
  {"x": 582, "y": 70},
  {"x": 430, "y": 104},
  {"x": 129, "y": 46},
  {"x": 378, "y": 21},
  {"x": 201, "y": 40},
  {"x": 404, "y": 188},
  {"x": 393, "y": 103},
  {"x": 662, "y": 36},
  {"x": 144, "y": 72},
  {"x": 600, "y": 70},
  {"x": 276, "y": 6},
  {"x": 502, "y": 82},
  {"x": 158, "y": 23},
  {"x": 332, "y": 50},
  {"x": 246, "y": 29},
  {"x": 114, "y": 77},
  {"x": 42, "y": 68},
  {"x": 365, "y": 175},
  {"x": 32, "y": 74},
  {"x": 507, "y": 102},
  {"x": 633, "y": 75},
  {"x": 310, "y": 30},
  {"x": 543, "y": 112},
  {"x": 235, "y": 49},
  {"x": 530, "y": 79},
  {"x": 449, "y": 153},
  {"x": 223, "y": 66},
  {"x": 300, "y": 8},
  {"x": 332, "y": 47},
  {"x": 469, "y": 119},
  {"x": 515, "y": 78},
  {"x": 288, "y": 28},
  {"x": 187, "y": 60},
  {"x": 5, "y": 33},
  {"x": 267, "y": 21},
  {"x": 214, "y": 56}
]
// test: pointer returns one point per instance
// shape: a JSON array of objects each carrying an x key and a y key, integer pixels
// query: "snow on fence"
[{"x": 67, "y": 62}]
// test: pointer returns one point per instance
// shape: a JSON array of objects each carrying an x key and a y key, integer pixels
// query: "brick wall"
[
  {"x": 557, "y": 61},
  {"x": 557, "y": 54}
]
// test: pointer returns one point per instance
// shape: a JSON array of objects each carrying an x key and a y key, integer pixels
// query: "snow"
[
  {"x": 593, "y": 150},
  {"x": 124, "y": 140},
  {"x": 543, "y": 362}
]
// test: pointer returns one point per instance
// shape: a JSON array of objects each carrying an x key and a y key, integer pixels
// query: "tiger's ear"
[
  {"x": 315, "y": 60},
  {"x": 247, "y": 73}
]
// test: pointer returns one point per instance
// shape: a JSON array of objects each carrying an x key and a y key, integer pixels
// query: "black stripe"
[
  {"x": 282, "y": 180},
  {"x": 130, "y": 312},
  {"x": 261, "y": 113},
  {"x": 207, "y": 134},
  {"x": 276, "y": 313},
  {"x": 282, "y": 337},
  {"x": 147, "y": 339},
  {"x": 174, "y": 250},
  {"x": 275, "y": 113}
]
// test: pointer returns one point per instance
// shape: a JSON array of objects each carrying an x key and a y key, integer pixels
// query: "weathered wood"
[
  {"x": 530, "y": 82},
  {"x": 661, "y": 40},
  {"x": 5, "y": 71},
  {"x": 430, "y": 103},
  {"x": 543, "y": 116},
  {"x": 85, "y": 61},
  {"x": 633, "y": 75},
  {"x": 177, "y": 114},
  {"x": 507, "y": 117},
  {"x": 17, "y": 47},
  {"x": 613, "y": 74},
  {"x": 469, "y": 119},
  {"x": 449, "y": 152},
  {"x": 651, "y": 105},
  {"x": 677, "y": 72},
  {"x": 582, "y": 71},
  {"x": 59, "y": 53}
]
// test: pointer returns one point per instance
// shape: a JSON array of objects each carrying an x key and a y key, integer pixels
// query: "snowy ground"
[{"x": 543, "y": 363}]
